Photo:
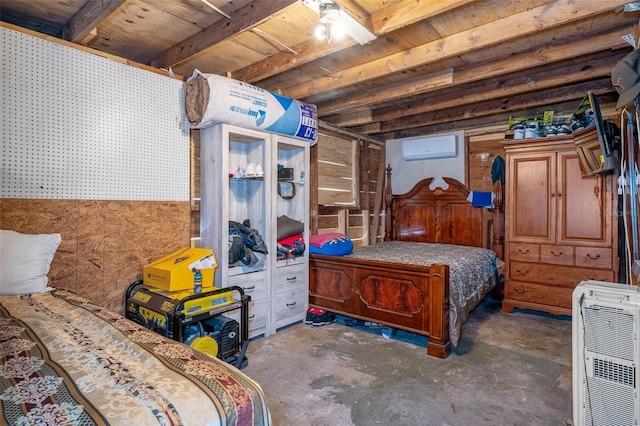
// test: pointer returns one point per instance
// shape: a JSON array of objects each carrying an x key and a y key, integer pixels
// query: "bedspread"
[
  {"x": 472, "y": 272},
  {"x": 67, "y": 361}
]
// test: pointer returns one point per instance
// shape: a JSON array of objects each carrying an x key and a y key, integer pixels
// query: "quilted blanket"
[{"x": 66, "y": 361}]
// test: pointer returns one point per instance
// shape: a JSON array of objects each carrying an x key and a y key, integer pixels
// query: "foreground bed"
[
  {"x": 67, "y": 361},
  {"x": 396, "y": 285}
]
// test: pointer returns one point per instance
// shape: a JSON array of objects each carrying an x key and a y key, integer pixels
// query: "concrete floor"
[{"x": 510, "y": 369}]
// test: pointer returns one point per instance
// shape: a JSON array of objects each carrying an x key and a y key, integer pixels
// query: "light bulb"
[
  {"x": 320, "y": 33},
  {"x": 338, "y": 31}
]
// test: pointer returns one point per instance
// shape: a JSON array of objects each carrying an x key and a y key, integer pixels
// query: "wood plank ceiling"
[{"x": 435, "y": 65}]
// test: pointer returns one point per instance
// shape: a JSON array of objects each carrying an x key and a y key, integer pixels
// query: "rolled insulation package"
[{"x": 212, "y": 99}]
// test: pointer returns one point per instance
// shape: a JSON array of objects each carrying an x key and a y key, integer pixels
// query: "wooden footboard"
[{"x": 411, "y": 298}]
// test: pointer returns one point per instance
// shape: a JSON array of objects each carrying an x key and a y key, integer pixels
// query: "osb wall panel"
[{"x": 105, "y": 244}]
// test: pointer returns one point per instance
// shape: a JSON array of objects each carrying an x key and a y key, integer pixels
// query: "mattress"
[{"x": 67, "y": 361}]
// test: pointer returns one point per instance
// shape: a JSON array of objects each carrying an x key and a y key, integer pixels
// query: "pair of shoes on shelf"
[
  {"x": 249, "y": 171},
  {"x": 318, "y": 317}
]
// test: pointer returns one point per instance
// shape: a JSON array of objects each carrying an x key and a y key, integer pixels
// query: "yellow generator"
[{"x": 195, "y": 319}]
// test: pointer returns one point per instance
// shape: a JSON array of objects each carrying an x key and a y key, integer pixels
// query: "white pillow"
[{"x": 25, "y": 260}]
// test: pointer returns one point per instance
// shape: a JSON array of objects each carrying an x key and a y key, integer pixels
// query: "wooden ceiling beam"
[
  {"x": 391, "y": 18},
  {"x": 80, "y": 27},
  {"x": 406, "y": 13},
  {"x": 559, "y": 77},
  {"x": 496, "y": 106},
  {"x": 518, "y": 25},
  {"x": 475, "y": 72},
  {"x": 247, "y": 18}
]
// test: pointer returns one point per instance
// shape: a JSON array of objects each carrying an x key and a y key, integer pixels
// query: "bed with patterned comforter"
[
  {"x": 66, "y": 361},
  {"x": 473, "y": 272}
]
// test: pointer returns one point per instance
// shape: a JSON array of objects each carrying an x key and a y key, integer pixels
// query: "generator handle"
[
  {"x": 180, "y": 305},
  {"x": 133, "y": 285}
]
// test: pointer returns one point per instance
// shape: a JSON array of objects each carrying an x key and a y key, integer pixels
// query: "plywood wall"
[
  {"x": 105, "y": 244},
  {"x": 482, "y": 151}
]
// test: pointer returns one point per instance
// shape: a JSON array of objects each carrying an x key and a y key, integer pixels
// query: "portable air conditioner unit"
[
  {"x": 424, "y": 148},
  {"x": 606, "y": 354}
]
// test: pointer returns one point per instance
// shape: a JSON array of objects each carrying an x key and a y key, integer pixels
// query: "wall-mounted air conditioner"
[
  {"x": 606, "y": 354},
  {"x": 429, "y": 147}
]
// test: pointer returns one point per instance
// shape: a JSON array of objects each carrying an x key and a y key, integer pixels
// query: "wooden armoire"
[{"x": 561, "y": 227}]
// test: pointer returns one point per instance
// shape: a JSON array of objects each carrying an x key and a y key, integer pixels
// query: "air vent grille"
[
  {"x": 609, "y": 331},
  {"x": 614, "y": 372}
]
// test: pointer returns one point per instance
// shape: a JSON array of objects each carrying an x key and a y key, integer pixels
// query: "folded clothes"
[
  {"x": 287, "y": 241},
  {"x": 332, "y": 244},
  {"x": 322, "y": 239}
]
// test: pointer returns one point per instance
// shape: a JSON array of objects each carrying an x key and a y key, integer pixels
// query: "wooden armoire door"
[
  {"x": 531, "y": 195},
  {"x": 583, "y": 205}
]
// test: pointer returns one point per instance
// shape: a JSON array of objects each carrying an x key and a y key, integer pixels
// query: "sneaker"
[
  {"x": 532, "y": 130},
  {"x": 323, "y": 317},
  {"x": 311, "y": 314},
  {"x": 564, "y": 130},
  {"x": 241, "y": 172},
  {"x": 250, "y": 172},
  {"x": 518, "y": 131},
  {"x": 259, "y": 171}
]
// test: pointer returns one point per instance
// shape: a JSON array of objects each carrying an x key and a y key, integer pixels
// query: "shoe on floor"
[
  {"x": 323, "y": 317},
  {"x": 311, "y": 314}
]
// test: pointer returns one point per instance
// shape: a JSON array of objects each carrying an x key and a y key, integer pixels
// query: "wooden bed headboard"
[{"x": 444, "y": 216}]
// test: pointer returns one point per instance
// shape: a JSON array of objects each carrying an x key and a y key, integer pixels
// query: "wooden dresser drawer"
[
  {"x": 254, "y": 285},
  {"x": 539, "y": 293},
  {"x": 524, "y": 252},
  {"x": 291, "y": 303},
  {"x": 566, "y": 276},
  {"x": 594, "y": 257},
  {"x": 556, "y": 255},
  {"x": 291, "y": 278}
]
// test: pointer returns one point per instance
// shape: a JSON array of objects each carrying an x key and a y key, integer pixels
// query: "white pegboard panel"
[{"x": 80, "y": 126}]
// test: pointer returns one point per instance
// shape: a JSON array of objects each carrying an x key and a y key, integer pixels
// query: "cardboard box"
[{"x": 174, "y": 272}]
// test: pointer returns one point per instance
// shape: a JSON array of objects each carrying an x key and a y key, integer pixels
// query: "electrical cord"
[{"x": 584, "y": 362}]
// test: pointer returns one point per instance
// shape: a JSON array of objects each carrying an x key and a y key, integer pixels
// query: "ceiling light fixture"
[
  {"x": 331, "y": 26},
  {"x": 335, "y": 23}
]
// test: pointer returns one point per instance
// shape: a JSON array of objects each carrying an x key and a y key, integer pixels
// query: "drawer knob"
[
  {"x": 592, "y": 257},
  {"x": 292, "y": 278},
  {"x": 291, "y": 304},
  {"x": 517, "y": 290},
  {"x": 525, "y": 251},
  {"x": 252, "y": 316},
  {"x": 253, "y": 287},
  {"x": 557, "y": 253},
  {"x": 522, "y": 272}
]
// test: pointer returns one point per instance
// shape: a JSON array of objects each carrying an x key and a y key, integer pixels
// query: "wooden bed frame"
[{"x": 414, "y": 298}]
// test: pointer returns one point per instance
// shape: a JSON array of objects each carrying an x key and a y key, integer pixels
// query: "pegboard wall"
[{"x": 80, "y": 126}]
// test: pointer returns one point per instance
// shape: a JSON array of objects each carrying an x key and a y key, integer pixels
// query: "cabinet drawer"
[
  {"x": 594, "y": 257},
  {"x": 291, "y": 278},
  {"x": 524, "y": 252},
  {"x": 539, "y": 293},
  {"x": 556, "y": 255},
  {"x": 257, "y": 317},
  {"x": 254, "y": 285},
  {"x": 554, "y": 274},
  {"x": 291, "y": 303}
]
